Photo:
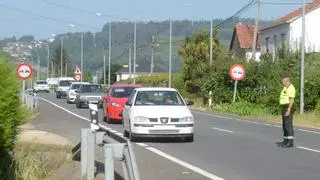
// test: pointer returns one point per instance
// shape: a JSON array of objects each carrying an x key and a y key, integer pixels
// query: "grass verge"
[{"x": 37, "y": 161}]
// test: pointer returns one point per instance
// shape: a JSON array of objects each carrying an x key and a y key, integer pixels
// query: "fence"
[{"x": 30, "y": 100}]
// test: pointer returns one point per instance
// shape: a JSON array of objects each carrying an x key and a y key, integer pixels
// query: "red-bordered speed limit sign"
[
  {"x": 24, "y": 71},
  {"x": 237, "y": 72}
]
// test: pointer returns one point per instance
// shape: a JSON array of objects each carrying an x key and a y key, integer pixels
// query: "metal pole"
[
  {"x": 31, "y": 78},
  {"x": 81, "y": 56},
  {"x": 255, "y": 34},
  {"x": 38, "y": 65},
  {"x": 104, "y": 70},
  {"x": 52, "y": 70},
  {"x": 235, "y": 91},
  {"x": 109, "y": 63},
  {"x": 66, "y": 68},
  {"x": 48, "y": 60},
  {"x": 152, "y": 54},
  {"x": 302, "y": 58},
  {"x": 130, "y": 65},
  {"x": 211, "y": 42},
  {"x": 134, "y": 52},
  {"x": 170, "y": 49},
  {"x": 61, "y": 54},
  {"x": 23, "y": 89},
  {"x": 108, "y": 163}
]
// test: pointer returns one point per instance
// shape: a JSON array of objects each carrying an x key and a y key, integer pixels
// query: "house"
[
  {"x": 143, "y": 68},
  {"x": 241, "y": 42},
  {"x": 287, "y": 31}
]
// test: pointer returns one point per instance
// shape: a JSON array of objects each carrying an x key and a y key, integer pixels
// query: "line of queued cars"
[{"x": 144, "y": 111}]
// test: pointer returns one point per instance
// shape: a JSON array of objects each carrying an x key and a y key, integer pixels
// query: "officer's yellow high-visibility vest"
[{"x": 286, "y": 94}]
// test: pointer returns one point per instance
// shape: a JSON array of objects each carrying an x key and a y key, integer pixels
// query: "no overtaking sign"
[{"x": 237, "y": 73}]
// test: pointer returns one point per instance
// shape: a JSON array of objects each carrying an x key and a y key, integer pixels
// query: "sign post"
[
  {"x": 77, "y": 74},
  {"x": 237, "y": 73},
  {"x": 24, "y": 72}
]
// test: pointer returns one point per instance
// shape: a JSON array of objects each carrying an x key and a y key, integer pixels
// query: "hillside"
[{"x": 96, "y": 45}]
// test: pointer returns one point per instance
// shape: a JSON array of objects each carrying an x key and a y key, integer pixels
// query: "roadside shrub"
[
  {"x": 242, "y": 108},
  {"x": 10, "y": 108},
  {"x": 317, "y": 109}
]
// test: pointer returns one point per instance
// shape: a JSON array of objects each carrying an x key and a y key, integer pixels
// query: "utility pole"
[
  {"x": 255, "y": 34},
  {"x": 31, "y": 78},
  {"x": 109, "y": 66},
  {"x": 134, "y": 51},
  {"x": 302, "y": 58},
  {"x": 48, "y": 60},
  {"x": 152, "y": 55},
  {"x": 211, "y": 62},
  {"x": 104, "y": 70},
  {"x": 66, "y": 68},
  {"x": 130, "y": 65},
  {"x": 170, "y": 49},
  {"x": 61, "y": 58},
  {"x": 38, "y": 65},
  {"x": 81, "y": 56}
]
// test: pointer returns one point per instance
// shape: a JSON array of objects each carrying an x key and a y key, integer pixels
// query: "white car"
[
  {"x": 41, "y": 85},
  {"x": 63, "y": 86},
  {"x": 71, "y": 94},
  {"x": 157, "y": 112}
]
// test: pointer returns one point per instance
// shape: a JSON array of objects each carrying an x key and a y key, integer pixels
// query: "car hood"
[{"x": 162, "y": 111}]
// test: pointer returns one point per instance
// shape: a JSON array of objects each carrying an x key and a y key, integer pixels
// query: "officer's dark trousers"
[{"x": 287, "y": 126}]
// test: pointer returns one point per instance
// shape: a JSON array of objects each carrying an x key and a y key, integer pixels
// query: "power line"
[{"x": 83, "y": 10}]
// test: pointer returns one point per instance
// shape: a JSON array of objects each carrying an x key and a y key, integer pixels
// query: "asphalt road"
[{"x": 224, "y": 148}]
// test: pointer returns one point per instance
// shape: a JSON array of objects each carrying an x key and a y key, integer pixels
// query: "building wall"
[
  {"x": 312, "y": 37},
  {"x": 272, "y": 38}
]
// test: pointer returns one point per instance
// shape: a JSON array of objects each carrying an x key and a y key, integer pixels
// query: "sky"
[{"x": 16, "y": 23}]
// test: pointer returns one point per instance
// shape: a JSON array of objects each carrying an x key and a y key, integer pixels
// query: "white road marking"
[
  {"x": 142, "y": 144},
  {"x": 304, "y": 130},
  {"x": 308, "y": 149},
  {"x": 185, "y": 164},
  {"x": 154, "y": 150},
  {"x": 223, "y": 130}
]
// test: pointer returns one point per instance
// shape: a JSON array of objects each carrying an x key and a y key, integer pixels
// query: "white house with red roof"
[
  {"x": 241, "y": 42},
  {"x": 287, "y": 31}
]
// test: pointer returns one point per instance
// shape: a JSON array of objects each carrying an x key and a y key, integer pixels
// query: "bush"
[
  {"x": 10, "y": 109},
  {"x": 242, "y": 108}
]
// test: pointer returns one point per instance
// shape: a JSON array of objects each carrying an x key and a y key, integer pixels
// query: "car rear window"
[
  {"x": 91, "y": 89},
  {"x": 65, "y": 83},
  {"x": 41, "y": 82},
  {"x": 75, "y": 86},
  {"x": 122, "y": 92}
]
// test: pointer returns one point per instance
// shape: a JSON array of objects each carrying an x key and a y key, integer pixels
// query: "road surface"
[{"x": 224, "y": 148}]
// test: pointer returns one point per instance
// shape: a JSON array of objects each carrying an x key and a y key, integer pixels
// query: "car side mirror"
[
  {"x": 76, "y": 91},
  {"x": 128, "y": 103},
  {"x": 189, "y": 103}
]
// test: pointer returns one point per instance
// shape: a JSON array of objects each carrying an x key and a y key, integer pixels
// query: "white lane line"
[
  {"x": 308, "y": 149},
  {"x": 142, "y": 144},
  {"x": 154, "y": 150},
  {"x": 185, "y": 164},
  {"x": 64, "y": 109},
  {"x": 304, "y": 130},
  {"x": 223, "y": 130}
]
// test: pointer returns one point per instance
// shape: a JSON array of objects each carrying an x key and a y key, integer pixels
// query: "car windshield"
[
  {"x": 75, "y": 86},
  {"x": 42, "y": 82},
  {"x": 91, "y": 89},
  {"x": 122, "y": 92},
  {"x": 65, "y": 83},
  {"x": 158, "y": 98}
]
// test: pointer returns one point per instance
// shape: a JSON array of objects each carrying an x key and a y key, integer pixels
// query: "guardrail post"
[
  {"x": 84, "y": 147},
  {"x": 91, "y": 155},
  {"x": 108, "y": 163}
]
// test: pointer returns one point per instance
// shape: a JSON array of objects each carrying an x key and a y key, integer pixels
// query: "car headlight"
[
  {"x": 72, "y": 94},
  {"x": 140, "y": 119},
  {"x": 186, "y": 119},
  {"x": 115, "y": 104}
]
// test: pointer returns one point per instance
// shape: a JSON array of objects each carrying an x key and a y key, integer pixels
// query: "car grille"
[
  {"x": 174, "y": 119},
  {"x": 93, "y": 98},
  {"x": 163, "y": 131},
  {"x": 153, "y": 120}
]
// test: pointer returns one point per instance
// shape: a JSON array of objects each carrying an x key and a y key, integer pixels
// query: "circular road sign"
[
  {"x": 237, "y": 72},
  {"x": 77, "y": 77},
  {"x": 24, "y": 71}
]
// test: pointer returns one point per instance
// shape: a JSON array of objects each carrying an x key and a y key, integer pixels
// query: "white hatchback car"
[{"x": 157, "y": 112}]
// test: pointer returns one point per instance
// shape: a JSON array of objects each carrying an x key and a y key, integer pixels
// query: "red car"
[{"x": 115, "y": 100}]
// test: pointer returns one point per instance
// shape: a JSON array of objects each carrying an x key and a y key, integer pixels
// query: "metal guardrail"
[
  {"x": 31, "y": 100},
  {"x": 121, "y": 150}
]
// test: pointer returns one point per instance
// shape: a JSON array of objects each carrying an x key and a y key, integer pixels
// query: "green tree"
[
  {"x": 56, "y": 59},
  {"x": 114, "y": 68},
  {"x": 87, "y": 76}
]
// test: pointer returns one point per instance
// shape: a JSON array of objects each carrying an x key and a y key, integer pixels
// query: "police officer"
[{"x": 286, "y": 101}]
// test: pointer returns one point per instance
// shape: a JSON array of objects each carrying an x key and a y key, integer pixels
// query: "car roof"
[
  {"x": 80, "y": 83},
  {"x": 155, "y": 89},
  {"x": 126, "y": 85},
  {"x": 41, "y": 81},
  {"x": 66, "y": 78}
]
